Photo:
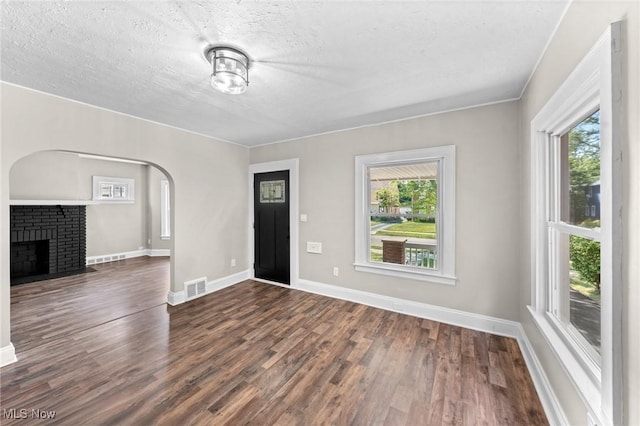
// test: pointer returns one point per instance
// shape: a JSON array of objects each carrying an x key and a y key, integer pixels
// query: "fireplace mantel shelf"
[{"x": 63, "y": 202}]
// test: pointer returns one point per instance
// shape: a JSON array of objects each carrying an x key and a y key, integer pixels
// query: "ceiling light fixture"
[{"x": 230, "y": 69}]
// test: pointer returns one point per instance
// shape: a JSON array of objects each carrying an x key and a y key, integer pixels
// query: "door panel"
[{"x": 271, "y": 226}]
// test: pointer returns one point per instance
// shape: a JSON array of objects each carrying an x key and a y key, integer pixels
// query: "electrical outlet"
[
  {"x": 313, "y": 247},
  {"x": 336, "y": 271},
  {"x": 303, "y": 217},
  {"x": 233, "y": 262}
]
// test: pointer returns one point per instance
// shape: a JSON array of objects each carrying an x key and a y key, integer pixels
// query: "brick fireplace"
[{"x": 47, "y": 242}]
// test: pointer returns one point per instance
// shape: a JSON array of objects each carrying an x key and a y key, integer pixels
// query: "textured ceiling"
[{"x": 316, "y": 66}]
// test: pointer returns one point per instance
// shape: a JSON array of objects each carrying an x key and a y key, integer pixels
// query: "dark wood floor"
[
  {"x": 47, "y": 310},
  {"x": 249, "y": 354}
]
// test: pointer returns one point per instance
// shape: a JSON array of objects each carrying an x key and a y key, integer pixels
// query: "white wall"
[
  {"x": 111, "y": 228},
  {"x": 487, "y": 208},
  {"x": 582, "y": 25},
  {"x": 210, "y": 219}
]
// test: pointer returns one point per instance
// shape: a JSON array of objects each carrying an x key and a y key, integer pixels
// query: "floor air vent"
[{"x": 195, "y": 288}]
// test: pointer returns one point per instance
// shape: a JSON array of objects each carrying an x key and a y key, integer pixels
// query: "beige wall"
[
  {"x": 492, "y": 211},
  {"x": 582, "y": 25},
  {"x": 62, "y": 176},
  {"x": 487, "y": 209},
  {"x": 210, "y": 220},
  {"x": 154, "y": 176}
]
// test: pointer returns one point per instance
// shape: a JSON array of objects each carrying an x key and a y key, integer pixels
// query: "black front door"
[{"x": 271, "y": 226}]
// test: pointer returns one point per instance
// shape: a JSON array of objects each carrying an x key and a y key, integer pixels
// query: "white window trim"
[
  {"x": 445, "y": 155},
  {"x": 98, "y": 181},
  {"x": 591, "y": 85},
  {"x": 165, "y": 210}
]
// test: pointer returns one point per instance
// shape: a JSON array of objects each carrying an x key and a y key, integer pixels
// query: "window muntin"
[{"x": 431, "y": 172}]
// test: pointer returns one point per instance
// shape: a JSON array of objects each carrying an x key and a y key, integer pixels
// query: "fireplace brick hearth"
[{"x": 33, "y": 228}]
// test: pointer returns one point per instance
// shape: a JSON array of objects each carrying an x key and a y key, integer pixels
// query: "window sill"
[
  {"x": 582, "y": 372},
  {"x": 405, "y": 272},
  {"x": 108, "y": 201}
]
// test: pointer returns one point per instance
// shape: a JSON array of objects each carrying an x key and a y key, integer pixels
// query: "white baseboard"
[
  {"x": 177, "y": 297},
  {"x": 7, "y": 355},
  {"x": 94, "y": 260},
  {"x": 551, "y": 404},
  {"x": 227, "y": 281},
  {"x": 422, "y": 310}
]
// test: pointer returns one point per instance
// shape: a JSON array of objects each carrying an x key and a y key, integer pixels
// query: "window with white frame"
[
  {"x": 112, "y": 189},
  {"x": 576, "y": 227},
  {"x": 405, "y": 214},
  {"x": 165, "y": 210},
  {"x": 574, "y": 238}
]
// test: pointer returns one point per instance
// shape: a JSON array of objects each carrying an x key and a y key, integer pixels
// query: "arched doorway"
[{"x": 122, "y": 229}]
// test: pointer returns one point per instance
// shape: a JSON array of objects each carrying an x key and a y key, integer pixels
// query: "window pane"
[
  {"x": 165, "y": 213},
  {"x": 584, "y": 283},
  {"x": 580, "y": 173},
  {"x": 403, "y": 208}
]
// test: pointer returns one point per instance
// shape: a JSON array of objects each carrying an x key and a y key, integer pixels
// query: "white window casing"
[
  {"x": 113, "y": 190},
  {"x": 594, "y": 84},
  {"x": 445, "y": 157}
]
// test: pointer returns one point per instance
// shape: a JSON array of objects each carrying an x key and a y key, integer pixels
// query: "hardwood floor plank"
[
  {"x": 346, "y": 398},
  {"x": 452, "y": 408},
  {"x": 517, "y": 377},
  {"x": 104, "y": 348},
  {"x": 395, "y": 417},
  {"x": 378, "y": 388},
  {"x": 419, "y": 413}
]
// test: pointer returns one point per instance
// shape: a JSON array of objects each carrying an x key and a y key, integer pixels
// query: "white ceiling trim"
[
  {"x": 546, "y": 47},
  {"x": 382, "y": 123}
]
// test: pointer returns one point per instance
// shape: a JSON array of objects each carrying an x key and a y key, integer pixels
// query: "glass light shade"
[{"x": 230, "y": 70}]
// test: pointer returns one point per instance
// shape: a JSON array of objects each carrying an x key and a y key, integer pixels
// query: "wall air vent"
[{"x": 195, "y": 288}]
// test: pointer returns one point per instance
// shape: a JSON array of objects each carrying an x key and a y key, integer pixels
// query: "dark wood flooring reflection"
[
  {"x": 47, "y": 310},
  {"x": 256, "y": 354}
]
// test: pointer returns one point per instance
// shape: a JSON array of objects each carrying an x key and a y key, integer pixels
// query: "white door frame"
[{"x": 294, "y": 246}]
